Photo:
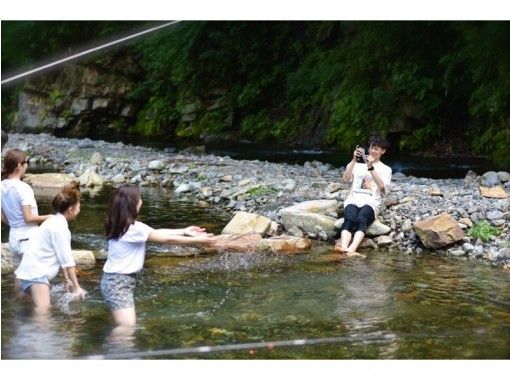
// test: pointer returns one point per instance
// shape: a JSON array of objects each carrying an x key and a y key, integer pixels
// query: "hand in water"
[
  {"x": 195, "y": 231},
  {"x": 79, "y": 294}
]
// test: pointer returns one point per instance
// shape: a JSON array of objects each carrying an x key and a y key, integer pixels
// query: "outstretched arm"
[{"x": 188, "y": 235}]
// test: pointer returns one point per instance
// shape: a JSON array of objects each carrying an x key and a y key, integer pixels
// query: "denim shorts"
[
  {"x": 118, "y": 290},
  {"x": 26, "y": 284}
]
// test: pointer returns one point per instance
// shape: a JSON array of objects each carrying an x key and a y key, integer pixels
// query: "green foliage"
[
  {"x": 437, "y": 81},
  {"x": 483, "y": 230},
  {"x": 261, "y": 191}
]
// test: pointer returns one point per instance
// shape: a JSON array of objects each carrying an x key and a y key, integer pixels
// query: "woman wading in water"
[{"x": 126, "y": 251}]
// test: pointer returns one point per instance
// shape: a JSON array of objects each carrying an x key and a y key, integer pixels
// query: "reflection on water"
[{"x": 386, "y": 306}]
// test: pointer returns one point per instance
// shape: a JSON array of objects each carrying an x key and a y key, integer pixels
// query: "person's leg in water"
[
  {"x": 364, "y": 219},
  {"x": 125, "y": 317},
  {"x": 41, "y": 296},
  {"x": 348, "y": 227}
]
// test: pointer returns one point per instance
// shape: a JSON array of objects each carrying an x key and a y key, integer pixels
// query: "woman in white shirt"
[
  {"x": 19, "y": 208},
  {"x": 126, "y": 251},
  {"x": 370, "y": 181},
  {"x": 49, "y": 249}
]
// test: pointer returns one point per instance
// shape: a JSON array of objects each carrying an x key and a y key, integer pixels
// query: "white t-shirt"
[
  {"x": 15, "y": 195},
  {"x": 49, "y": 248},
  {"x": 364, "y": 190},
  {"x": 126, "y": 255}
]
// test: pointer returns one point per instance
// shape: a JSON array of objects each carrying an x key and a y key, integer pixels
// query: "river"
[{"x": 386, "y": 306}]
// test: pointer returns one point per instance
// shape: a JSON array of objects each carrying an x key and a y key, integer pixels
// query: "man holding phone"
[{"x": 370, "y": 182}]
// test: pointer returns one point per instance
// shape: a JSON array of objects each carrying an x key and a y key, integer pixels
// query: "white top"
[
  {"x": 15, "y": 195},
  {"x": 126, "y": 255},
  {"x": 364, "y": 190},
  {"x": 49, "y": 248}
]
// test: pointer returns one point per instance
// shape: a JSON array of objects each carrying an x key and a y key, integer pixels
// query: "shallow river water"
[{"x": 386, "y": 306}]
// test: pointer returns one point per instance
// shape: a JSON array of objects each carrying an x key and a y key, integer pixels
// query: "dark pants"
[{"x": 358, "y": 219}]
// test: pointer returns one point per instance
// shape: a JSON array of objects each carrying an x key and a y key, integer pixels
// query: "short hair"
[
  {"x": 379, "y": 141},
  {"x": 67, "y": 197}
]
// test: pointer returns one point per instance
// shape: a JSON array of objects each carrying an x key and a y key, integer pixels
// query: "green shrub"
[{"x": 483, "y": 230}]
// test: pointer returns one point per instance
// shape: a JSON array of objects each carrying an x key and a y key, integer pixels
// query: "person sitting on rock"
[
  {"x": 49, "y": 250},
  {"x": 126, "y": 251},
  {"x": 370, "y": 181},
  {"x": 19, "y": 208}
]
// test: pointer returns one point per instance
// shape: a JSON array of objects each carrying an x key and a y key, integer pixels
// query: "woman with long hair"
[
  {"x": 49, "y": 250},
  {"x": 19, "y": 208},
  {"x": 126, "y": 251}
]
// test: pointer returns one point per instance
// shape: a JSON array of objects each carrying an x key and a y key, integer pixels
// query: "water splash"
[{"x": 64, "y": 301}]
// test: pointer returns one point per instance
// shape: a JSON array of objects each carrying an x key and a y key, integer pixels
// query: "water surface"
[{"x": 386, "y": 306}]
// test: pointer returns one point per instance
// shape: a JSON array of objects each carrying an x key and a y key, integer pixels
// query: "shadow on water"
[{"x": 429, "y": 306}]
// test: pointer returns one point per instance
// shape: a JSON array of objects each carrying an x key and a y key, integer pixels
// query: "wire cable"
[{"x": 89, "y": 51}]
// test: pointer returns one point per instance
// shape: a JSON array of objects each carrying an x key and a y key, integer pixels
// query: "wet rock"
[
  {"x": 247, "y": 223},
  {"x": 84, "y": 258},
  {"x": 438, "y": 231},
  {"x": 7, "y": 265},
  {"x": 90, "y": 178},
  {"x": 235, "y": 243},
  {"x": 285, "y": 244}
]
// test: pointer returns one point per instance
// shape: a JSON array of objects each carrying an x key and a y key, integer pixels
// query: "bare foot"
[
  {"x": 339, "y": 249},
  {"x": 355, "y": 254}
]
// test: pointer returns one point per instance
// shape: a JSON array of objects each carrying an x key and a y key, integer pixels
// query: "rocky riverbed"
[{"x": 299, "y": 200}]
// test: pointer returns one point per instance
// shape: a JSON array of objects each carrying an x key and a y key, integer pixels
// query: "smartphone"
[{"x": 363, "y": 158}]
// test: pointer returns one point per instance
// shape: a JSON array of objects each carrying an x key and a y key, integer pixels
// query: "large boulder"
[
  {"x": 321, "y": 206},
  {"x": 285, "y": 244},
  {"x": 247, "y": 223},
  {"x": 308, "y": 222},
  {"x": 438, "y": 231},
  {"x": 49, "y": 180},
  {"x": 47, "y": 185},
  {"x": 90, "y": 178},
  {"x": 236, "y": 243},
  {"x": 82, "y": 258}
]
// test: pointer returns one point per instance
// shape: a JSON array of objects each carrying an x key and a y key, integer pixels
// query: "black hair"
[
  {"x": 122, "y": 211},
  {"x": 379, "y": 141}
]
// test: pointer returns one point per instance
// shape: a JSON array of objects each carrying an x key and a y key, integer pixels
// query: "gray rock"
[
  {"x": 490, "y": 179},
  {"x": 494, "y": 214},
  {"x": 156, "y": 165},
  {"x": 118, "y": 178}
]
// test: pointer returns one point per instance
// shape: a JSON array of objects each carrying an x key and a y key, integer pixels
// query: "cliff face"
[{"x": 79, "y": 100}]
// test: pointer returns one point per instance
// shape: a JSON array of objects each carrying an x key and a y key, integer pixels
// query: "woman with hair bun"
[
  {"x": 19, "y": 208},
  {"x": 50, "y": 249}
]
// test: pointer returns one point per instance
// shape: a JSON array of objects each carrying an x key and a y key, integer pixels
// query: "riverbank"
[{"x": 269, "y": 189}]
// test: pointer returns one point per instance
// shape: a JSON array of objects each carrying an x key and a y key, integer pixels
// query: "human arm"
[
  {"x": 382, "y": 179},
  {"x": 188, "y": 235},
  {"x": 4, "y": 219},
  {"x": 350, "y": 166},
  {"x": 72, "y": 279},
  {"x": 31, "y": 218}
]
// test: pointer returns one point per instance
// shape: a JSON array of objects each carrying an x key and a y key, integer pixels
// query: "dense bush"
[{"x": 441, "y": 86}]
